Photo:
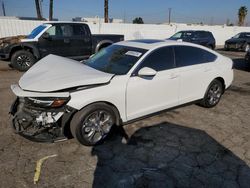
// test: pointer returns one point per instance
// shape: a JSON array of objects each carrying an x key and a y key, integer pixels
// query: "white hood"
[{"x": 54, "y": 73}]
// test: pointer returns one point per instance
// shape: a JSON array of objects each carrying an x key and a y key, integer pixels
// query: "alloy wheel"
[
  {"x": 214, "y": 94},
  {"x": 97, "y": 125},
  {"x": 24, "y": 61}
]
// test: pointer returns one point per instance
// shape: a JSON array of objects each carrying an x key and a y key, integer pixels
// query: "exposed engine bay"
[{"x": 36, "y": 123}]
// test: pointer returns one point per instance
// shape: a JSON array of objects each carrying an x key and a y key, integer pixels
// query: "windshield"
[
  {"x": 182, "y": 35},
  {"x": 242, "y": 35},
  {"x": 36, "y": 31},
  {"x": 115, "y": 59}
]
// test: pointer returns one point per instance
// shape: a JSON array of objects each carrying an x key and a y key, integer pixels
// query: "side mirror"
[
  {"x": 46, "y": 36},
  {"x": 146, "y": 71}
]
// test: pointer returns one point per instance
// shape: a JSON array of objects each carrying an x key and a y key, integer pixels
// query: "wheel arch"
[
  {"x": 102, "y": 44},
  {"x": 113, "y": 107},
  {"x": 222, "y": 81},
  {"x": 27, "y": 47}
]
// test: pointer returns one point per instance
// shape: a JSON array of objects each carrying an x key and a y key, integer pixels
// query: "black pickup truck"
[{"x": 69, "y": 39}]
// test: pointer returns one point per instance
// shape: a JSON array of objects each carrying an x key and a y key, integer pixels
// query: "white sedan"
[{"x": 126, "y": 81}]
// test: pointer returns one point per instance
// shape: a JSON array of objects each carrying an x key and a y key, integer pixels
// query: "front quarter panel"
[{"x": 113, "y": 93}]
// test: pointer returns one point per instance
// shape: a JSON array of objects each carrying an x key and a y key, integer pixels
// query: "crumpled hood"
[
  {"x": 12, "y": 40},
  {"x": 54, "y": 73}
]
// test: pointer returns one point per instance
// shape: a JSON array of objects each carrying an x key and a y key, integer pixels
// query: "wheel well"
[
  {"x": 17, "y": 48},
  {"x": 104, "y": 45},
  {"x": 222, "y": 81},
  {"x": 113, "y": 107}
]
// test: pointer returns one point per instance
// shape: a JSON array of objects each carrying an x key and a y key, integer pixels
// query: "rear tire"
[
  {"x": 91, "y": 125},
  {"x": 22, "y": 60},
  {"x": 213, "y": 94}
]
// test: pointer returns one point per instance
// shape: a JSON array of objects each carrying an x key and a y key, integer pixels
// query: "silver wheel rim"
[
  {"x": 23, "y": 61},
  {"x": 97, "y": 125},
  {"x": 214, "y": 94},
  {"x": 247, "y": 47}
]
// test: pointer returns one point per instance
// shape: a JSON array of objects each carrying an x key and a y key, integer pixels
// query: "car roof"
[
  {"x": 194, "y": 31},
  {"x": 63, "y": 22},
  {"x": 149, "y": 44}
]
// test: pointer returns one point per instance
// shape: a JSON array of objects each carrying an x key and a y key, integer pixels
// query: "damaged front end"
[{"x": 41, "y": 119}]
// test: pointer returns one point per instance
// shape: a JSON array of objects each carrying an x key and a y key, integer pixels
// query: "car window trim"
[
  {"x": 136, "y": 70},
  {"x": 193, "y": 64}
]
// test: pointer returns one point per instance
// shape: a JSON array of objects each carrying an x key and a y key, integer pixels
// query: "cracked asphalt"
[{"x": 186, "y": 147}]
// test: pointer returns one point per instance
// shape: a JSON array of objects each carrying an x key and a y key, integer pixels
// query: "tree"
[
  {"x": 51, "y": 10},
  {"x": 242, "y": 13},
  {"x": 106, "y": 11},
  {"x": 38, "y": 10},
  {"x": 138, "y": 20}
]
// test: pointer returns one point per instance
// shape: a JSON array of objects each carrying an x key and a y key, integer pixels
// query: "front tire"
[
  {"x": 22, "y": 60},
  {"x": 213, "y": 94},
  {"x": 91, "y": 125},
  {"x": 246, "y": 47}
]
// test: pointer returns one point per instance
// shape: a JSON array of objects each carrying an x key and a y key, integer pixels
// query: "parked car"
[
  {"x": 120, "y": 84},
  {"x": 204, "y": 38},
  {"x": 68, "y": 39},
  {"x": 241, "y": 41}
]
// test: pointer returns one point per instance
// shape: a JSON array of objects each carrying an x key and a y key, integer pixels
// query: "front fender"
[{"x": 33, "y": 47}]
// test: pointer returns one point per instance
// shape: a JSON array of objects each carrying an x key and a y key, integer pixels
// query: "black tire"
[
  {"x": 210, "y": 47},
  {"x": 22, "y": 60},
  {"x": 82, "y": 128},
  {"x": 213, "y": 94}
]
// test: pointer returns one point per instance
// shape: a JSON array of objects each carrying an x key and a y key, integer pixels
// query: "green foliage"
[
  {"x": 242, "y": 13},
  {"x": 138, "y": 20}
]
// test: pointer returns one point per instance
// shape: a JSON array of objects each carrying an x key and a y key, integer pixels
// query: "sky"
[{"x": 152, "y": 11}]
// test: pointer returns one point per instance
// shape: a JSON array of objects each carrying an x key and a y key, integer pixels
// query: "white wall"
[{"x": 10, "y": 27}]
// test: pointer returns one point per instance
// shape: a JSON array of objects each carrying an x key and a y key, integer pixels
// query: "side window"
[
  {"x": 79, "y": 30},
  {"x": 60, "y": 31},
  {"x": 187, "y": 55},
  {"x": 159, "y": 60},
  {"x": 67, "y": 30}
]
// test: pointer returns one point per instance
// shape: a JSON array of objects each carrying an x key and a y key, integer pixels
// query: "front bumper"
[
  {"x": 4, "y": 56},
  {"x": 39, "y": 124},
  {"x": 233, "y": 46}
]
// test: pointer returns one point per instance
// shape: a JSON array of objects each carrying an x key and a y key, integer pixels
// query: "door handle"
[
  {"x": 66, "y": 41},
  {"x": 173, "y": 76},
  {"x": 86, "y": 40},
  {"x": 207, "y": 69}
]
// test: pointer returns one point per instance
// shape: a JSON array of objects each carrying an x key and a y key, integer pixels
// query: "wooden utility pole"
[
  {"x": 3, "y": 7},
  {"x": 38, "y": 10},
  {"x": 169, "y": 15},
  {"x": 51, "y": 10},
  {"x": 106, "y": 11}
]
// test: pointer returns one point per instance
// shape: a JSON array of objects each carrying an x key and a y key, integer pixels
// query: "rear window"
[{"x": 187, "y": 55}]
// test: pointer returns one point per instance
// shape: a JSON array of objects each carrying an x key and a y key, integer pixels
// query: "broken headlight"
[{"x": 46, "y": 102}]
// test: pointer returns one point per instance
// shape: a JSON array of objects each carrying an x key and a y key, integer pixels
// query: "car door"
[
  {"x": 81, "y": 42},
  {"x": 146, "y": 95},
  {"x": 195, "y": 70},
  {"x": 56, "y": 40}
]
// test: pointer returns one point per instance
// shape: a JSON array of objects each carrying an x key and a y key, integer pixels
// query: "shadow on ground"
[{"x": 167, "y": 155}]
